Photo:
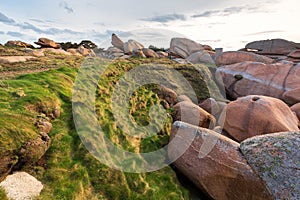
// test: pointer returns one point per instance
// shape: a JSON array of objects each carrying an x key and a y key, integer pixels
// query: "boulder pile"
[
  {"x": 246, "y": 148},
  {"x": 131, "y": 48}
]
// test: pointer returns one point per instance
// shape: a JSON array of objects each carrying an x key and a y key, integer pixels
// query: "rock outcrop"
[
  {"x": 117, "y": 42},
  {"x": 15, "y": 59},
  {"x": 182, "y": 47},
  {"x": 274, "y": 46},
  {"x": 149, "y": 53},
  {"x": 132, "y": 45},
  {"x": 233, "y": 57},
  {"x": 223, "y": 173},
  {"x": 200, "y": 57},
  {"x": 252, "y": 78},
  {"x": 33, "y": 150},
  {"x": 47, "y": 43},
  {"x": 17, "y": 43},
  {"x": 257, "y": 115},
  {"x": 85, "y": 51}
]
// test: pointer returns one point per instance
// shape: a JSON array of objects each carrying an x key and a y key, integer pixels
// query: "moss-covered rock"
[{"x": 275, "y": 158}]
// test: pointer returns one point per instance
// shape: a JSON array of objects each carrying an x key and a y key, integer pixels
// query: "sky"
[{"x": 229, "y": 24}]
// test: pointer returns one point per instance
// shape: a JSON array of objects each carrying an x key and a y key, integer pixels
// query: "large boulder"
[
  {"x": 200, "y": 57},
  {"x": 162, "y": 54},
  {"x": 166, "y": 94},
  {"x": 117, "y": 42},
  {"x": 114, "y": 52},
  {"x": 17, "y": 43},
  {"x": 138, "y": 53},
  {"x": 47, "y": 43},
  {"x": 188, "y": 112},
  {"x": 274, "y": 46},
  {"x": 252, "y": 78},
  {"x": 183, "y": 47},
  {"x": 275, "y": 158},
  {"x": 21, "y": 186},
  {"x": 292, "y": 96},
  {"x": 208, "y": 48},
  {"x": 213, "y": 107},
  {"x": 214, "y": 164},
  {"x": 233, "y": 57},
  {"x": 149, "y": 53},
  {"x": 86, "y": 52},
  {"x": 257, "y": 115},
  {"x": 132, "y": 45}
]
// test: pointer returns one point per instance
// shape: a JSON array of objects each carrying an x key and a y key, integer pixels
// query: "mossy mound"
[{"x": 68, "y": 170}]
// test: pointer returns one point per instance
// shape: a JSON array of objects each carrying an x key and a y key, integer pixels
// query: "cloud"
[
  {"x": 42, "y": 21},
  {"x": 28, "y": 26},
  {"x": 54, "y": 31},
  {"x": 210, "y": 41},
  {"x": 6, "y": 19},
  {"x": 2, "y": 33},
  {"x": 48, "y": 31},
  {"x": 14, "y": 34},
  {"x": 66, "y": 6},
  {"x": 206, "y": 14},
  {"x": 233, "y": 10},
  {"x": 165, "y": 18},
  {"x": 265, "y": 32},
  {"x": 226, "y": 12}
]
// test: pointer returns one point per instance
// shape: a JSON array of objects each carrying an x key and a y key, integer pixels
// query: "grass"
[
  {"x": 49, "y": 61},
  {"x": 3, "y": 194},
  {"x": 68, "y": 170}
]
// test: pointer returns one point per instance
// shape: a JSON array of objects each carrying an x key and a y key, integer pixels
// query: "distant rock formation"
[
  {"x": 273, "y": 47},
  {"x": 131, "y": 48},
  {"x": 17, "y": 43},
  {"x": 47, "y": 43}
]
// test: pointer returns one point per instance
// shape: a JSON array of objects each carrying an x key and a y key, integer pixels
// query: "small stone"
[
  {"x": 21, "y": 186},
  {"x": 20, "y": 93}
]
